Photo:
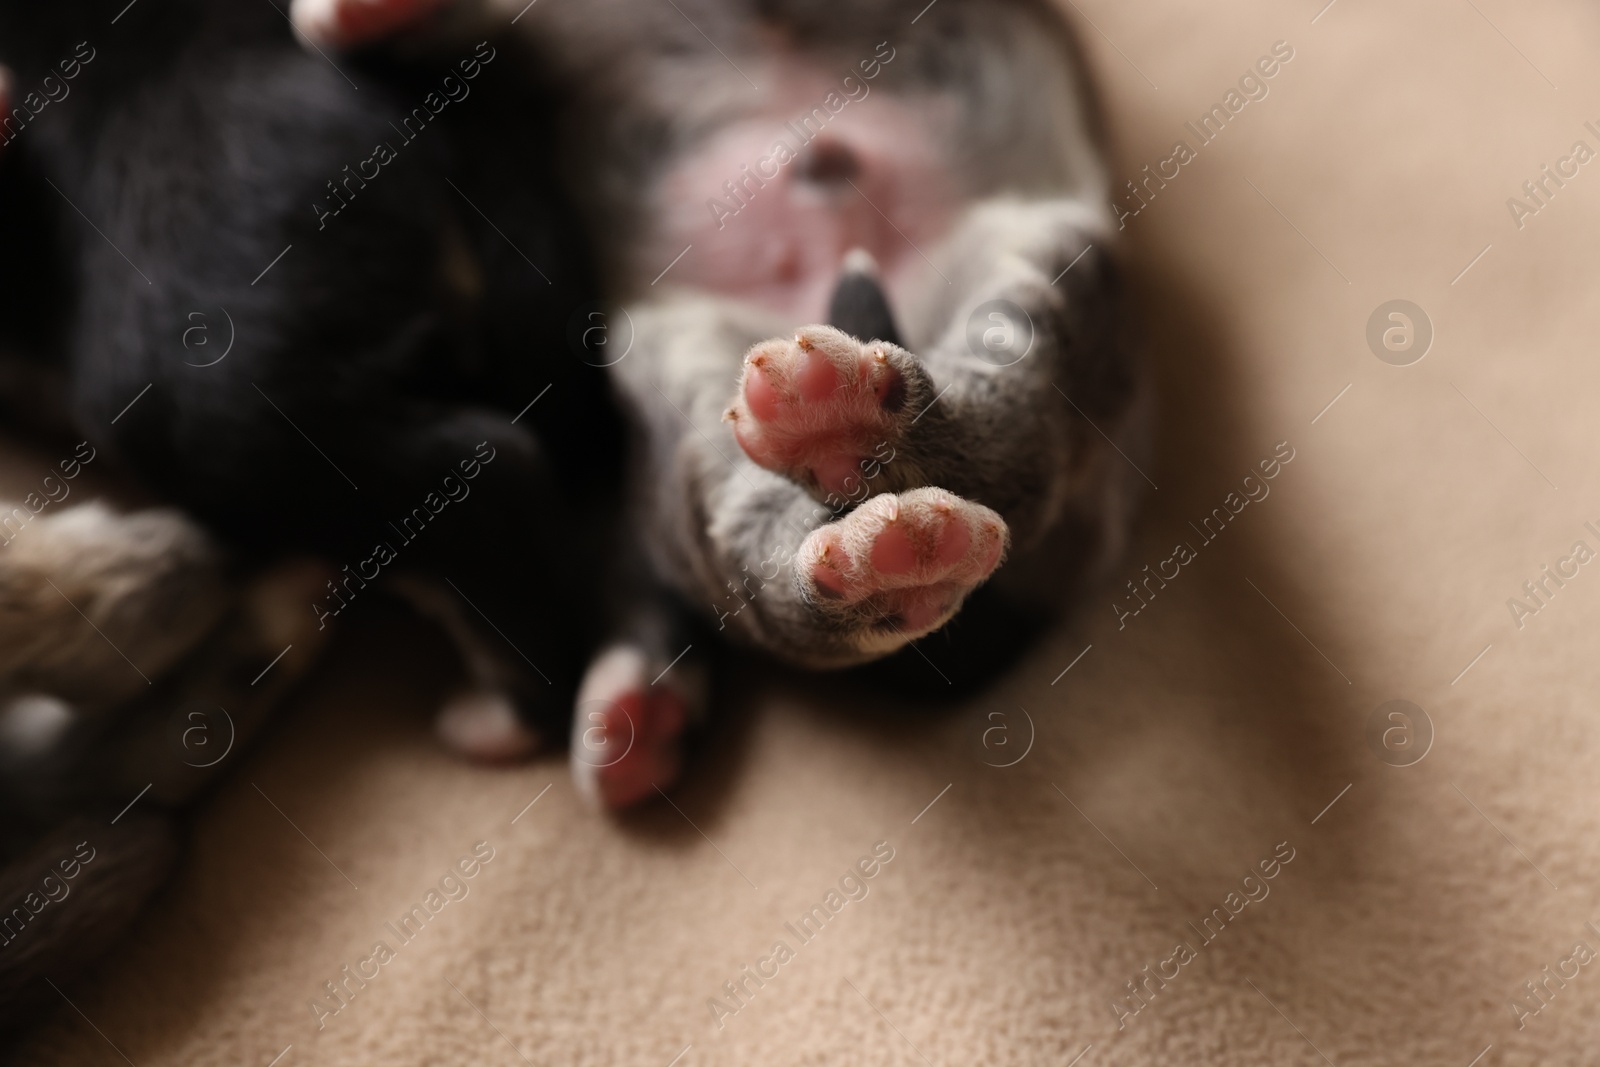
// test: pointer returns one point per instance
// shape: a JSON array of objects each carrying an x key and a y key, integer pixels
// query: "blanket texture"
[{"x": 1191, "y": 827}]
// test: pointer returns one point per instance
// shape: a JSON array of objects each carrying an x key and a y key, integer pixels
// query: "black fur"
[
  {"x": 187, "y": 157},
  {"x": 393, "y": 342}
]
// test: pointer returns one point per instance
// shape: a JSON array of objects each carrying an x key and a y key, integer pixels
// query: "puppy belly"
[{"x": 769, "y": 205}]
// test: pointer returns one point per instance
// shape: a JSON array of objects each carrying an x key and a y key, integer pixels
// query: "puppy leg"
[
  {"x": 481, "y": 720},
  {"x": 172, "y": 736},
  {"x": 1025, "y": 396},
  {"x": 753, "y": 549},
  {"x": 117, "y": 869},
  {"x": 96, "y": 605},
  {"x": 1019, "y": 365},
  {"x": 469, "y": 499},
  {"x": 1043, "y": 401},
  {"x": 69, "y": 803}
]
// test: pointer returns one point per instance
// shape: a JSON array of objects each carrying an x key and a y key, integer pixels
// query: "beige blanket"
[{"x": 1221, "y": 847}]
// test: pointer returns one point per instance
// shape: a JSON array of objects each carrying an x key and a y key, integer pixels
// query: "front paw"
[
  {"x": 830, "y": 412},
  {"x": 900, "y": 565}
]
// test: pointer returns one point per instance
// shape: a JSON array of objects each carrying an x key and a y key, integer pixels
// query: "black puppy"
[{"x": 322, "y": 304}]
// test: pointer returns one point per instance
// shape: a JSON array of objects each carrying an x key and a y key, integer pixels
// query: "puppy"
[
  {"x": 323, "y": 322},
  {"x": 321, "y": 305},
  {"x": 925, "y": 179}
]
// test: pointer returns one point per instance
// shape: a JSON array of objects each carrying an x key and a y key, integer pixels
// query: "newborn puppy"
[
  {"x": 867, "y": 323},
  {"x": 321, "y": 319},
  {"x": 319, "y": 304}
]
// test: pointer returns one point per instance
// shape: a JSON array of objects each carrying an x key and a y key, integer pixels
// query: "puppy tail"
[{"x": 859, "y": 306}]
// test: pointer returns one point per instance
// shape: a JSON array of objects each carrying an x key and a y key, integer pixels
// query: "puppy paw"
[
  {"x": 904, "y": 561},
  {"x": 629, "y": 725},
  {"x": 349, "y": 23},
  {"x": 827, "y": 410},
  {"x": 483, "y": 724}
]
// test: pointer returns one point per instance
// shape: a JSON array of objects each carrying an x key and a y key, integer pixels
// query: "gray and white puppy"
[{"x": 756, "y": 169}]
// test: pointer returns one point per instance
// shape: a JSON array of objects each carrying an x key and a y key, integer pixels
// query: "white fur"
[
  {"x": 483, "y": 724},
  {"x": 30, "y": 725}
]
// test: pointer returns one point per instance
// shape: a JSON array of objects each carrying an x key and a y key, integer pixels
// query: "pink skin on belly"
[{"x": 872, "y": 177}]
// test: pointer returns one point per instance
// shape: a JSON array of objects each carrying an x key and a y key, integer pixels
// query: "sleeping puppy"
[
  {"x": 927, "y": 181},
  {"x": 324, "y": 322},
  {"x": 320, "y": 305}
]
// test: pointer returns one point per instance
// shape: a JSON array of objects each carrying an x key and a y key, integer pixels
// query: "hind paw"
[
  {"x": 827, "y": 410},
  {"x": 906, "y": 560}
]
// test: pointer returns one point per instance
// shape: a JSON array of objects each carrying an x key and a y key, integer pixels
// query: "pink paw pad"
[
  {"x": 914, "y": 556},
  {"x": 627, "y": 733},
  {"x": 822, "y": 408},
  {"x": 348, "y": 23}
]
